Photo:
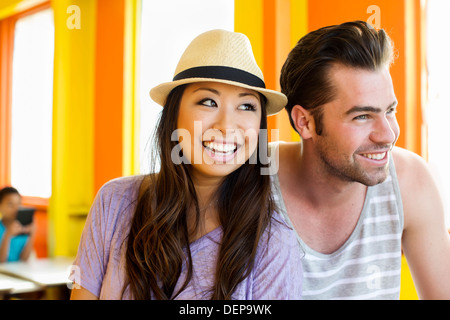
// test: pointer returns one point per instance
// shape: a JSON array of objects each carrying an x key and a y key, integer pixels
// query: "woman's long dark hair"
[{"x": 158, "y": 241}]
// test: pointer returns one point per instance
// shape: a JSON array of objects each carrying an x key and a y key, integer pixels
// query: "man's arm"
[{"x": 426, "y": 241}]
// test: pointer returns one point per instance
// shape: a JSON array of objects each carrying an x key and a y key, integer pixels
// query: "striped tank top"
[{"x": 368, "y": 264}]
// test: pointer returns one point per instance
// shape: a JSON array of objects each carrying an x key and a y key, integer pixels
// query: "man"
[{"x": 354, "y": 199}]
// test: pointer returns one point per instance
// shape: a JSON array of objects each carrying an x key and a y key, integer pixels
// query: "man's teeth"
[
  {"x": 220, "y": 147},
  {"x": 375, "y": 156}
]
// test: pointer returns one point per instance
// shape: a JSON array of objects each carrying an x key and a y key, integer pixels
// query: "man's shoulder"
[
  {"x": 408, "y": 164},
  {"x": 404, "y": 154},
  {"x": 414, "y": 174}
]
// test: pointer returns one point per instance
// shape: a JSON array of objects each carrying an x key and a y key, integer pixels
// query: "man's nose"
[{"x": 384, "y": 131}]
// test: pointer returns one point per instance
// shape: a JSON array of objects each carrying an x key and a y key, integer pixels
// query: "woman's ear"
[{"x": 303, "y": 121}]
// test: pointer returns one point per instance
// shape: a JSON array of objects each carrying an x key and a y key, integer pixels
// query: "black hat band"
[{"x": 223, "y": 73}]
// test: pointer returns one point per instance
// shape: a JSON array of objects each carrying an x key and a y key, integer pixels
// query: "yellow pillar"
[
  {"x": 251, "y": 10},
  {"x": 274, "y": 25},
  {"x": 73, "y": 109},
  {"x": 130, "y": 154},
  {"x": 407, "y": 288}
]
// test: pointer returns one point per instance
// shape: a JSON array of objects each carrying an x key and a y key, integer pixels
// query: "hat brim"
[{"x": 276, "y": 101}]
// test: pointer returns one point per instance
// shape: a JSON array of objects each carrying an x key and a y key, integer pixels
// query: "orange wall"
[
  {"x": 277, "y": 44},
  {"x": 41, "y": 223},
  {"x": 6, "y": 52},
  {"x": 108, "y": 110}
]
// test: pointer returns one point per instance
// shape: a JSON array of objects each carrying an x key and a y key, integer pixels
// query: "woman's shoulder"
[
  {"x": 123, "y": 186},
  {"x": 278, "y": 237},
  {"x": 281, "y": 231},
  {"x": 278, "y": 267},
  {"x": 116, "y": 197}
]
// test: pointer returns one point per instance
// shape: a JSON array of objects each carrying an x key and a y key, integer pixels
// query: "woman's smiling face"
[{"x": 218, "y": 127}]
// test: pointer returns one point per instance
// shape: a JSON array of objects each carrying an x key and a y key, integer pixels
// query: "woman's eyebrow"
[
  {"x": 244, "y": 94},
  {"x": 208, "y": 89}
]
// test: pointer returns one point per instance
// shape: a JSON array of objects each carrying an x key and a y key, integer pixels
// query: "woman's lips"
[{"x": 221, "y": 152}]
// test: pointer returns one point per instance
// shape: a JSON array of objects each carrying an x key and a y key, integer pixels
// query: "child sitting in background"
[{"x": 16, "y": 240}]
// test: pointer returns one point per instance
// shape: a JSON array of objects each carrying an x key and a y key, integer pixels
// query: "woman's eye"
[
  {"x": 247, "y": 107},
  {"x": 208, "y": 103}
]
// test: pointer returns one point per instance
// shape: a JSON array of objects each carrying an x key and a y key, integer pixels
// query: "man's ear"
[{"x": 303, "y": 121}]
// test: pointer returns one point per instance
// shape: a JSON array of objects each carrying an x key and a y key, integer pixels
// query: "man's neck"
[
  {"x": 315, "y": 185},
  {"x": 323, "y": 209}
]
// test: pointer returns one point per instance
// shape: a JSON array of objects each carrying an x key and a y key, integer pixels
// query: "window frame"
[{"x": 7, "y": 33}]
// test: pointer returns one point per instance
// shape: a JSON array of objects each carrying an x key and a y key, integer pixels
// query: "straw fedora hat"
[{"x": 220, "y": 56}]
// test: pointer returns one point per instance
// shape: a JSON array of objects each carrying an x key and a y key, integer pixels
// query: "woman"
[{"x": 202, "y": 227}]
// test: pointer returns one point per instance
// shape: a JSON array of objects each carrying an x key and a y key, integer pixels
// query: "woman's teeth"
[
  {"x": 375, "y": 156},
  {"x": 220, "y": 147}
]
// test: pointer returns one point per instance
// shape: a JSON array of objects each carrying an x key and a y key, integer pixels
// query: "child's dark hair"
[{"x": 7, "y": 191}]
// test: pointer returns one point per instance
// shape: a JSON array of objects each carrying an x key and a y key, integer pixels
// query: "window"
[
  {"x": 32, "y": 96},
  {"x": 438, "y": 111},
  {"x": 165, "y": 34}
]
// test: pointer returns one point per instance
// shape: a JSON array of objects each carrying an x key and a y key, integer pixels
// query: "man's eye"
[
  {"x": 208, "y": 103},
  {"x": 362, "y": 117}
]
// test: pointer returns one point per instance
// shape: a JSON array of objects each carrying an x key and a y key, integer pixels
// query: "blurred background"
[{"x": 75, "y": 75}]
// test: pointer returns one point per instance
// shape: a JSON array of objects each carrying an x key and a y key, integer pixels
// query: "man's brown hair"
[{"x": 305, "y": 74}]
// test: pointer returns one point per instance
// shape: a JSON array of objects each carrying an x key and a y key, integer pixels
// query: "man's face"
[{"x": 360, "y": 126}]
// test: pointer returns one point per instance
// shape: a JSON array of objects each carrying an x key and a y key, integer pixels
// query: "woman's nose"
[{"x": 225, "y": 121}]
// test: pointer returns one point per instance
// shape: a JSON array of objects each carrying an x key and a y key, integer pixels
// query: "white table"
[
  {"x": 44, "y": 272},
  {"x": 48, "y": 278},
  {"x": 12, "y": 285}
]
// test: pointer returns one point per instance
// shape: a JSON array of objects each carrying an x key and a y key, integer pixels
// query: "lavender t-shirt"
[{"x": 277, "y": 272}]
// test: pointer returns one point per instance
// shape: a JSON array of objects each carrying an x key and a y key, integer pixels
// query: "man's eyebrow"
[{"x": 357, "y": 109}]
